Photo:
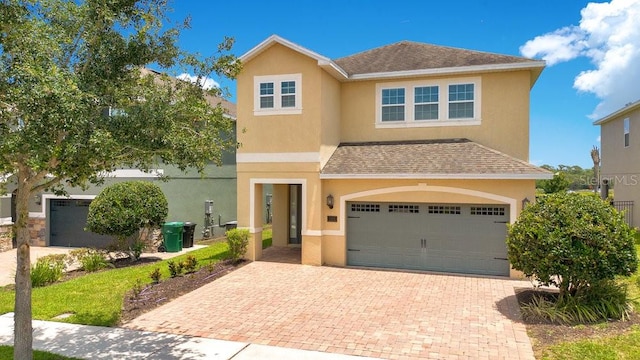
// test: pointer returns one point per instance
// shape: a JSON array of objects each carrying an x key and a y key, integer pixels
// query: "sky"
[{"x": 592, "y": 50}]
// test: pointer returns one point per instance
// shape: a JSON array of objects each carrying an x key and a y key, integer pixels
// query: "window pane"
[
  {"x": 426, "y": 94},
  {"x": 266, "y": 89},
  {"x": 392, "y": 113},
  {"x": 288, "y": 87},
  {"x": 266, "y": 102},
  {"x": 288, "y": 101},
  {"x": 426, "y": 112},
  {"x": 392, "y": 96},
  {"x": 462, "y": 92},
  {"x": 463, "y": 110}
]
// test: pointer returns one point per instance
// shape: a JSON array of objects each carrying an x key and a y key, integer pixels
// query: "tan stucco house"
[
  {"x": 408, "y": 156},
  {"x": 620, "y": 156}
]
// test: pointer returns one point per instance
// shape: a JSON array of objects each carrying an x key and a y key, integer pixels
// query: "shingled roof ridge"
[{"x": 401, "y": 42}]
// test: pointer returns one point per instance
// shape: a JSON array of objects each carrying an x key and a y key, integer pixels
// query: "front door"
[{"x": 295, "y": 214}]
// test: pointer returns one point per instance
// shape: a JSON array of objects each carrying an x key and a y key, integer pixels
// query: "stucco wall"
[
  {"x": 620, "y": 164},
  {"x": 280, "y": 133},
  {"x": 504, "y": 114}
]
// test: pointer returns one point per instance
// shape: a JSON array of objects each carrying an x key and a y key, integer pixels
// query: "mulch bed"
[
  {"x": 155, "y": 295},
  {"x": 544, "y": 335}
]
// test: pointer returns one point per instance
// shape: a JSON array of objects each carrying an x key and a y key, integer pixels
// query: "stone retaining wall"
[{"x": 6, "y": 240}]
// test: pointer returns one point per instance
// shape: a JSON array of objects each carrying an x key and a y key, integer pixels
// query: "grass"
[
  {"x": 96, "y": 298},
  {"x": 267, "y": 238},
  {"x": 615, "y": 347},
  {"x": 6, "y": 352}
]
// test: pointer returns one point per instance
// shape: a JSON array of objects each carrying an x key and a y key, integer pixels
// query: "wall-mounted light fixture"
[
  {"x": 525, "y": 202},
  {"x": 38, "y": 199},
  {"x": 330, "y": 201}
]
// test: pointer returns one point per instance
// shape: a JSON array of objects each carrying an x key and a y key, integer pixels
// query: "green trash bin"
[{"x": 172, "y": 234}]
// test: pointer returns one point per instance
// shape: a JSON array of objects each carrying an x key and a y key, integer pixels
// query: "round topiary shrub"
[
  {"x": 571, "y": 241},
  {"x": 122, "y": 209}
]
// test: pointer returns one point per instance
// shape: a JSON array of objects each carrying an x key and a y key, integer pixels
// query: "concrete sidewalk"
[{"x": 95, "y": 342}]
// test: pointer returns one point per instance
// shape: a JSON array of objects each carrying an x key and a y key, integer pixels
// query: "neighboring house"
[
  {"x": 620, "y": 147},
  {"x": 60, "y": 220},
  {"x": 404, "y": 156}
]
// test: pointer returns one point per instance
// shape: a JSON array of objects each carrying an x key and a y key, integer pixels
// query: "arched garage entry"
[{"x": 459, "y": 237}]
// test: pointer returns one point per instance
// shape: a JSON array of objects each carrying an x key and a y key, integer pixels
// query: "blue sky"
[{"x": 600, "y": 40}]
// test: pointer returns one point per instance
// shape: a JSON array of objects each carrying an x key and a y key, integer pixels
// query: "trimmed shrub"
[
  {"x": 123, "y": 209},
  {"x": 573, "y": 242},
  {"x": 47, "y": 269},
  {"x": 238, "y": 240}
]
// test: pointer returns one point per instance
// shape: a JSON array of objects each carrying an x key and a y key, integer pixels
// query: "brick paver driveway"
[{"x": 387, "y": 314}]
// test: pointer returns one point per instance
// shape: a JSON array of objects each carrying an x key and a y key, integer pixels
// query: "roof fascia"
[
  {"x": 323, "y": 61},
  {"x": 628, "y": 108}
]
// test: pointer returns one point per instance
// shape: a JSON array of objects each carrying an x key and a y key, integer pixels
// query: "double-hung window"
[
  {"x": 278, "y": 94},
  {"x": 429, "y": 103},
  {"x": 393, "y": 104},
  {"x": 461, "y": 98},
  {"x": 426, "y": 102},
  {"x": 627, "y": 132}
]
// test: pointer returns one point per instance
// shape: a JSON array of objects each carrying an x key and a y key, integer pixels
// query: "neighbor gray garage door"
[
  {"x": 464, "y": 238},
  {"x": 67, "y": 219}
]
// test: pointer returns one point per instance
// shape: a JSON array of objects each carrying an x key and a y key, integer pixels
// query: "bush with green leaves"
[
  {"x": 238, "y": 240},
  {"x": 571, "y": 241},
  {"x": 47, "y": 269},
  {"x": 123, "y": 209},
  {"x": 90, "y": 260}
]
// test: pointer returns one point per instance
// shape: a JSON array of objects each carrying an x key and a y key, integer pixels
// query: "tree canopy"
[{"x": 76, "y": 102}]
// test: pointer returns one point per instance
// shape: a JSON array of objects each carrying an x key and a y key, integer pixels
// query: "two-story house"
[
  {"x": 407, "y": 156},
  {"x": 620, "y": 147}
]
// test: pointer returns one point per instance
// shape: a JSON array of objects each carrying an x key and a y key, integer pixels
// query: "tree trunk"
[{"x": 23, "y": 331}]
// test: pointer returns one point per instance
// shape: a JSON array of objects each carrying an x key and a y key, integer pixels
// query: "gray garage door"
[
  {"x": 464, "y": 238},
  {"x": 67, "y": 219}
]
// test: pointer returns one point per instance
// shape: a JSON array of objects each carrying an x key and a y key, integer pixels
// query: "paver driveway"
[{"x": 387, "y": 314}]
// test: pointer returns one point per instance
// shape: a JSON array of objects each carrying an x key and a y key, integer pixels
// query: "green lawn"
[
  {"x": 625, "y": 346},
  {"x": 615, "y": 347},
  {"x": 96, "y": 299},
  {"x": 6, "y": 352}
]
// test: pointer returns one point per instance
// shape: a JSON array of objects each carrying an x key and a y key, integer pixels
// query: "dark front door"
[{"x": 295, "y": 214}]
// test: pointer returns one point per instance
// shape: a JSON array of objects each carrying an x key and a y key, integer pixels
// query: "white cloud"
[
  {"x": 206, "y": 83},
  {"x": 598, "y": 139},
  {"x": 608, "y": 35}
]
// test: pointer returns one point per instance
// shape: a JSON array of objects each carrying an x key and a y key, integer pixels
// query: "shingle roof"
[
  {"x": 449, "y": 158},
  {"x": 408, "y": 55}
]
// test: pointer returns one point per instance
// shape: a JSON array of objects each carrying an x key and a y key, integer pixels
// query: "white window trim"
[
  {"x": 626, "y": 129},
  {"x": 277, "y": 108},
  {"x": 443, "y": 103}
]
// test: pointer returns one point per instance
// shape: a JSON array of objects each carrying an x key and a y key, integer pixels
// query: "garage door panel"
[
  {"x": 67, "y": 219},
  {"x": 441, "y": 237}
]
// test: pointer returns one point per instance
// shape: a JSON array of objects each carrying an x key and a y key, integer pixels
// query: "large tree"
[{"x": 76, "y": 102}]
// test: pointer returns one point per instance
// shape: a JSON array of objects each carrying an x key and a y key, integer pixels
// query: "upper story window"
[
  {"x": 428, "y": 103},
  {"x": 277, "y": 94},
  {"x": 461, "y": 101},
  {"x": 393, "y": 104},
  {"x": 626, "y": 132}
]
